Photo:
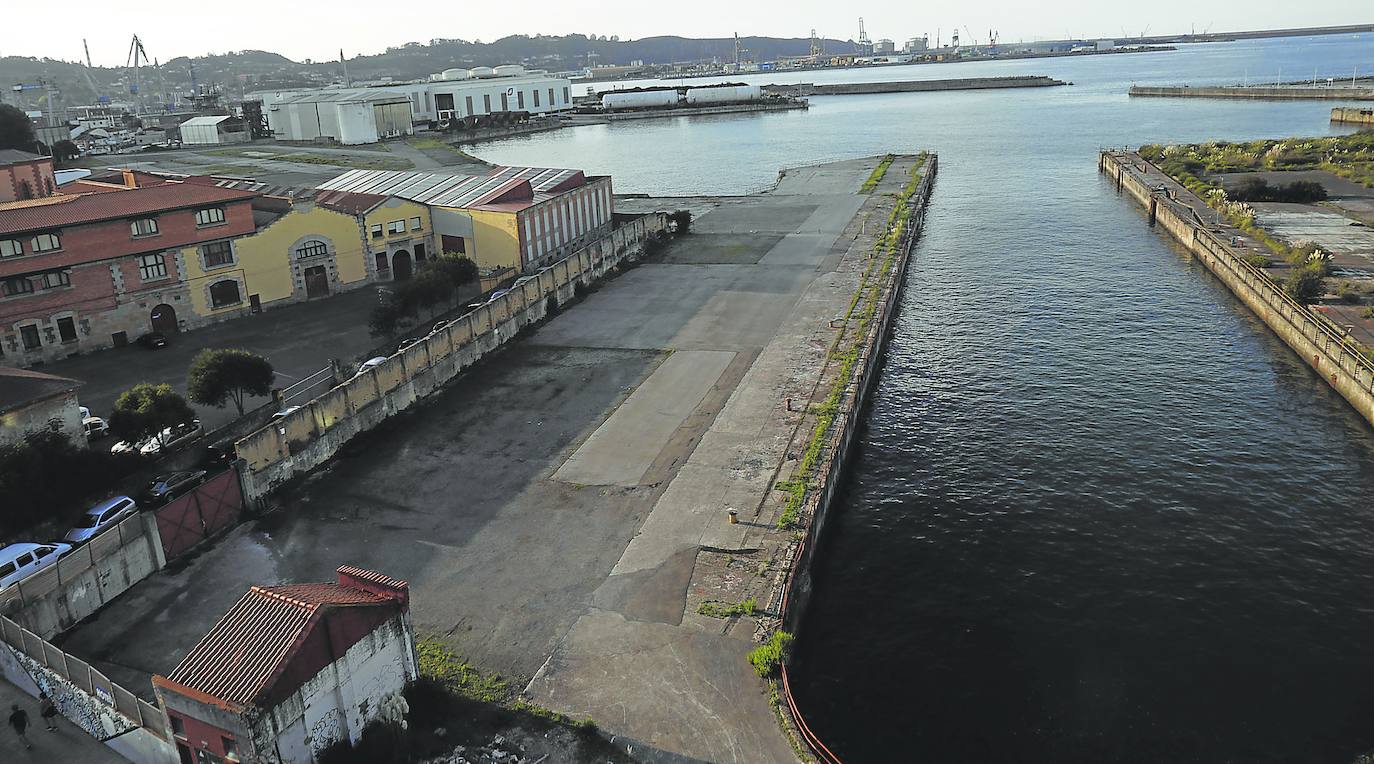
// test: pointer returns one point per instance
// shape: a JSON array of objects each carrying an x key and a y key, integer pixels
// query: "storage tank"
[
  {"x": 482, "y": 72},
  {"x": 724, "y": 94},
  {"x": 643, "y": 99},
  {"x": 455, "y": 74},
  {"x": 509, "y": 70}
]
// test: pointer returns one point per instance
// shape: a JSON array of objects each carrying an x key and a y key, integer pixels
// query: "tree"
[
  {"x": 681, "y": 222},
  {"x": 47, "y": 477},
  {"x": 16, "y": 129},
  {"x": 148, "y": 410},
  {"x": 383, "y": 319},
  {"x": 65, "y": 151},
  {"x": 221, "y": 375}
]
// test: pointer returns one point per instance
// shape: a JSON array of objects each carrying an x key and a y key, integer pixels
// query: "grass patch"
[
  {"x": 768, "y": 656},
  {"x": 717, "y": 609},
  {"x": 876, "y": 176},
  {"x": 432, "y": 143},
  {"x": 439, "y": 663}
]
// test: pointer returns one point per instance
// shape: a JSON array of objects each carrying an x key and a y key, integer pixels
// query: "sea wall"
[
  {"x": 1353, "y": 116},
  {"x": 915, "y": 86},
  {"x": 1297, "y": 93},
  {"x": 1320, "y": 343},
  {"x": 311, "y": 435}
]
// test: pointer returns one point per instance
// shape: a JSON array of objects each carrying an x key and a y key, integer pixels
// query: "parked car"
[
  {"x": 124, "y": 446},
  {"x": 95, "y": 427},
  {"x": 21, "y": 560},
  {"x": 218, "y": 455},
  {"x": 498, "y": 293},
  {"x": 172, "y": 438},
  {"x": 407, "y": 343},
  {"x": 85, "y": 412},
  {"x": 440, "y": 326},
  {"x": 521, "y": 281},
  {"x": 101, "y": 518},
  {"x": 152, "y": 340},
  {"x": 284, "y": 413},
  {"x": 371, "y": 363},
  {"x": 164, "y": 488}
]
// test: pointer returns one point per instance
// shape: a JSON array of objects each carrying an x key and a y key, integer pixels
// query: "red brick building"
[
  {"x": 290, "y": 670},
  {"x": 25, "y": 176},
  {"x": 100, "y": 267}
]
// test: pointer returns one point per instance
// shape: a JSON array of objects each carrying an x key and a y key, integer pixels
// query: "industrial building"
[
  {"x": 350, "y": 116},
  {"x": 208, "y": 131},
  {"x": 468, "y": 95}
]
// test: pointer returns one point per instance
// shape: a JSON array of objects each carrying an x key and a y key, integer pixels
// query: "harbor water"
[{"x": 1098, "y": 512}]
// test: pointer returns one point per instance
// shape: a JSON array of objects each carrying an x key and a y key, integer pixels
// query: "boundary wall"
[
  {"x": 313, "y": 434},
  {"x": 1324, "y": 346}
]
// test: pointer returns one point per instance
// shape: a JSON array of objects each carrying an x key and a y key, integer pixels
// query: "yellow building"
[{"x": 399, "y": 235}]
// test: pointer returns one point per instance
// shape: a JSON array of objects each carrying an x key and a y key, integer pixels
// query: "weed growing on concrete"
[
  {"x": 768, "y": 656},
  {"x": 534, "y": 709},
  {"x": 877, "y": 176},
  {"x": 440, "y": 663},
  {"x": 716, "y": 609}
]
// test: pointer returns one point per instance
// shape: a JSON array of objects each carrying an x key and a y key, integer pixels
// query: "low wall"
[
  {"x": 1321, "y": 344},
  {"x": 1260, "y": 93},
  {"x": 314, "y": 433},
  {"x": 55, "y": 598},
  {"x": 1353, "y": 116}
]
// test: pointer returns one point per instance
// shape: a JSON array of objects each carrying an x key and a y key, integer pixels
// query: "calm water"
[{"x": 1099, "y": 513}]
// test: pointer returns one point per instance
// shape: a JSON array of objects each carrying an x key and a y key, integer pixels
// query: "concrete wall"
[
  {"x": 1353, "y": 116},
  {"x": 313, "y": 434},
  {"x": 1309, "y": 334},
  {"x": 61, "y": 412},
  {"x": 52, "y": 600},
  {"x": 1260, "y": 93}
]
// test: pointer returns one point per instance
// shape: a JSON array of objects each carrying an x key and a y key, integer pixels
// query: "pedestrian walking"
[
  {"x": 48, "y": 710},
  {"x": 19, "y": 720}
]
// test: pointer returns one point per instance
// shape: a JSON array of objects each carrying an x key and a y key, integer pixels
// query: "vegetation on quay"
[
  {"x": 876, "y": 176},
  {"x": 846, "y": 352},
  {"x": 717, "y": 609},
  {"x": 1348, "y": 156},
  {"x": 767, "y": 657}
]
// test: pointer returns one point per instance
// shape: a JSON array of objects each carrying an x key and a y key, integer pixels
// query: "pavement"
[
  {"x": 68, "y": 745},
  {"x": 551, "y": 507}
]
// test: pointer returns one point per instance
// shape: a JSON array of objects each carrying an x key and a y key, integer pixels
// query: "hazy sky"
[{"x": 318, "y": 30}]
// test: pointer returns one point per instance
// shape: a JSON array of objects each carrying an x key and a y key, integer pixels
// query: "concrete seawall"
[
  {"x": 1353, "y": 116},
  {"x": 689, "y": 111},
  {"x": 916, "y": 86},
  {"x": 1259, "y": 93},
  {"x": 1322, "y": 345}
]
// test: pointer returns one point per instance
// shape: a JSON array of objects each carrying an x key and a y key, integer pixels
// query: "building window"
[
  {"x": 376, "y": 230},
  {"x": 520, "y": 99},
  {"x": 396, "y": 226},
  {"x": 312, "y": 248},
  {"x": 66, "y": 329},
  {"x": 536, "y": 98},
  {"x": 382, "y": 264},
  {"x": 29, "y": 334},
  {"x": 231, "y": 748},
  {"x": 55, "y": 279},
  {"x": 566, "y": 96},
  {"x": 143, "y": 227},
  {"x": 10, "y": 248},
  {"x": 178, "y": 726},
  {"x": 152, "y": 267},
  {"x": 217, "y": 253},
  {"x": 453, "y": 244},
  {"x": 224, "y": 293},
  {"x": 486, "y": 103},
  {"x": 469, "y": 102},
  {"x": 45, "y": 242},
  {"x": 416, "y": 224},
  {"x": 16, "y": 286},
  {"x": 210, "y": 216},
  {"x": 505, "y": 102}
]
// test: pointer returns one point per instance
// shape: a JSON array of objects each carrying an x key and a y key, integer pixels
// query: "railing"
[
  {"x": 306, "y": 388},
  {"x": 85, "y": 677}
]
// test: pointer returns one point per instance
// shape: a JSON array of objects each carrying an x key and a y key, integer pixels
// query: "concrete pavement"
[{"x": 68, "y": 745}]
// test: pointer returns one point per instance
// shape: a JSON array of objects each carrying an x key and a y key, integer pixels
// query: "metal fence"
[{"x": 309, "y": 387}]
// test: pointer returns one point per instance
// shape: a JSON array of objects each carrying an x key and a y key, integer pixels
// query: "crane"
[
  {"x": 90, "y": 81},
  {"x": 816, "y": 49},
  {"x": 971, "y": 39},
  {"x": 865, "y": 45},
  {"x": 136, "y": 54}
]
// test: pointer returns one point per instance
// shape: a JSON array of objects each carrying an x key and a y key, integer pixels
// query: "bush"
[
  {"x": 1304, "y": 284},
  {"x": 768, "y": 656},
  {"x": 681, "y": 222},
  {"x": 1297, "y": 192},
  {"x": 47, "y": 477}
]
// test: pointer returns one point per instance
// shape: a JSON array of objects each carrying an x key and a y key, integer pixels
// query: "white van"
[{"x": 19, "y": 561}]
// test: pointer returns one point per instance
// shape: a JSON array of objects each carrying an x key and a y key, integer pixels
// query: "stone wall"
[
  {"x": 1321, "y": 344},
  {"x": 314, "y": 433},
  {"x": 1353, "y": 116}
]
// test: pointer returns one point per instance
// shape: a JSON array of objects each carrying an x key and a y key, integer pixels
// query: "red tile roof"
[
  {"x": 21, "y": 387},
  {"x": 349, "y": 202},
  {"x": 277, "y": 637},
  {"x": 90, "y": 208}
]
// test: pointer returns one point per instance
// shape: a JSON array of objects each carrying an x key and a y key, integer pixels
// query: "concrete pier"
[
  {"x": 915, "y": 86},
  {"x": 1260, "y": 93},
  {"x": 1353, "y": 116}
]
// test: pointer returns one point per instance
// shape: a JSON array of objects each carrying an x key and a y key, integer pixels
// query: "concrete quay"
[
  {"x": 560, "y": 508},
  {"x": 1259, "y": 93},
  {"x": 1352, "y": 116},
  {"x": 916, "y": 86},
  {"x": 687, "y": 111}
]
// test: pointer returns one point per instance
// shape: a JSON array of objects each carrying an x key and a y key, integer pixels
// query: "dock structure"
[
  {"x": 915, "y": 86},
  {"x": 1363, "y": 92},
  {"x": 1350, "y": 116}
]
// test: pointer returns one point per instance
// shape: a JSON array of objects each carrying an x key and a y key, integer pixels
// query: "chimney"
[
  {"x": 130, "y": 179},
  {"x": 376, "y": 583}
]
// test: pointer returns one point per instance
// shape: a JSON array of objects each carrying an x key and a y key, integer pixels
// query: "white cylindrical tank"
[
  {"x": 482, "y": 72},
  {"x": 726, "y": 94},
  {"x": 455, "y": 74},
  {"x": 509, "y": 70},
  {"x": 644, "y": 99}
]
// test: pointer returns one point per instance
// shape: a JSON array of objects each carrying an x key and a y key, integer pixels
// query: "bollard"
[{"x": 733, "y": 517}]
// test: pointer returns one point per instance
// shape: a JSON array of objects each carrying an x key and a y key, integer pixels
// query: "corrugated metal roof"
[
  {"x": 503, "y": 184},
  {"x": 201, "y": 121},
  {"x": 343, "y": 96},
  {"x": 69, "y": 210},
  {"x": 240, "y": 659}
]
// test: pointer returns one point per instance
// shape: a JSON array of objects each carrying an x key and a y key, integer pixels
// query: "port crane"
[
  {"x": 137, "y": 57},
  {"x": 816, "y": 49},
  {"x": 90, "y": 81},
  {"x": 865, "y": 44}
]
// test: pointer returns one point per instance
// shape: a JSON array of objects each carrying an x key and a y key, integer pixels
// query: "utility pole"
[{"x": 344, "y": 61}]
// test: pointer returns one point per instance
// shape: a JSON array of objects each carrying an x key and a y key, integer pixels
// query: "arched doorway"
[
  {"x": 164, "y": 319},
  {"x": 400, "y": 265}
]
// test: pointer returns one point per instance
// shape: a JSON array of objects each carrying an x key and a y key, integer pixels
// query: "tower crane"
[{"x": 90, "y": 81}]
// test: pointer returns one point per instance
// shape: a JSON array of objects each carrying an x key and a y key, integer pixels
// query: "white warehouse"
[
  {"x": 349, "y": 116},
  {"x": 470, "y": 95}
]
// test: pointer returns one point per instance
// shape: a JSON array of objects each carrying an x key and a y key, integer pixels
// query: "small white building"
[
  {"x": 350, "y": 116},
  {"x": 291, "y": 670},
  {"x": 31, "y": 401},
  {"x": 212, "y": 130}
]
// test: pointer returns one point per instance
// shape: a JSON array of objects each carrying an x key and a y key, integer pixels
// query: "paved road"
[{"x": 68, "y": 745}]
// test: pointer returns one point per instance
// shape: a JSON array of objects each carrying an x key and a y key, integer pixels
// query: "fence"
[
  {"x": 187, "y": 520},
  {"x": 131, "y": 709},
  {"x": 310, "y": 387},
  {"x": 311, "y": 435}
]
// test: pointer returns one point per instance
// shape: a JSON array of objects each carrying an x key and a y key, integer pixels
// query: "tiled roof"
[
  {"x": 241, "y": 660},
  {"x": 20, "y": 387},
  {"x": 347, "y": 201},
  {"x": 90, "y": 208},
  {"x": 15, "y": 156}
]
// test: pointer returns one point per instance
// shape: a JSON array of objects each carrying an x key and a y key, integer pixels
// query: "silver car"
[{"x": 100, "y": 518}]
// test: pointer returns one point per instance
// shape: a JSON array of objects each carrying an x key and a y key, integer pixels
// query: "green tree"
[
  {"x": 383, "y": 319},
  {"x": 16, "y": 129},
  {"x": 221, "y": 375},
  {"x": 1304, "y": 284},
  {"x": 47, "y": 477},
  {"x": 65, "y": 151},
  {"x": 681, "y": 222},
  {"x": 148, "y": 410}
]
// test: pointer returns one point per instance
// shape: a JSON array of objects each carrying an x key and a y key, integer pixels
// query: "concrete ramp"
[{"x": 623, "y": 447}]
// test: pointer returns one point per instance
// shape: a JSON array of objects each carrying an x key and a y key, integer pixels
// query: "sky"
[{"x": 301, "y": 29}]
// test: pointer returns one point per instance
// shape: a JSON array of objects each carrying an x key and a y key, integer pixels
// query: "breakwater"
[
  {"x": 776, "y": 104},
  {"x": 915, "y": 86},
  {"x": 1271, "y": 93},
  {"x": 1352, "y": 116},
  {"x": 1324, "y": 346}
]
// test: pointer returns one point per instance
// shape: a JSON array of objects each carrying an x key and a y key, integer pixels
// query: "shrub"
[
  {"x": 1304, "y": 284},
  {"x": 768, "y": 656},
  {"x": 681, "y": 222},
  {"x": 1257, "y": 260},
  {"x": 47, "y": 477}
]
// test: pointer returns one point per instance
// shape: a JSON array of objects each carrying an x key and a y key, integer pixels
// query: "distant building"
[
  {"x": 25, "y": 176},
  {"x": 351, "y": 117},
  {"x": 212, "y": 130},
  {"x": 31, "y": 401},
  {"x": 916, "y": 45},
  {"x": 884, "y": 47},
  {"x": 291, "y": 670}
]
